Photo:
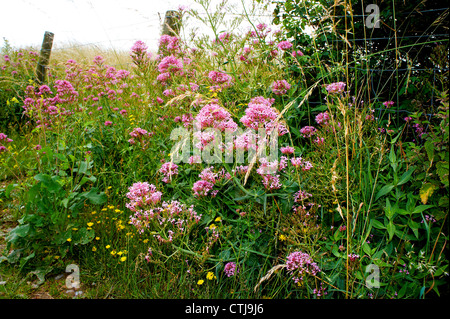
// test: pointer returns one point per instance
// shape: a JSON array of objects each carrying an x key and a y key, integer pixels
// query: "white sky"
[{"x": 107, "y": 23}]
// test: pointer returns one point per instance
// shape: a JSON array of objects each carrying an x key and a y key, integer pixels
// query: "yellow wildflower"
[
  {"x": 210, "y": 276},
  {"x": 200, "y": 282}
]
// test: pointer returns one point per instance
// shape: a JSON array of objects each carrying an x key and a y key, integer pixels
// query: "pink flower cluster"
[
  {"x": 214, "y": 116},
  {"x": 287, "y": 150},
  {"x": 267, "y": 170},
  {"x": 140, "y": 135},
  {"x": 4, "y": 138},
  {"x": 168, "y": 170},
  {"x": 301, "y": 196},
  {"x": 308, "y": 131},
  {"x": 141, "y": 195},
  {"x": 231, "y": 269},
  {"x": 139, "y": 54},
  {"x": 170, "y": 64},
  {"x": 322, "y": 118},
  {"x": 284, "y": 45},
  {"x": 169, "y": 44},
  {"x": 260, "y": 113},
  {"x": 280, "y": 87},
  {"x": 334, "y": 88},
  {"x": 168, "y": 221},
  {"x": 388, "y": 104},
  {"x": 220, "y": 80},
  {"x": 300, "y": 162},
  {"x": 207, "y": 181},
  {"x": 299, "y": 263}
]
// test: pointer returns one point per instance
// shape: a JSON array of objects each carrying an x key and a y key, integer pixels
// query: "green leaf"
[
  {"x": 391, "y": 230},
  {"x": 51, "y": 182},
  {"x": 383, "y": 191},
  {"x": 421, "y": 208},
  {"x": 8, "y": 189},
  {"x": 429, "y": 148},
  {"x": 377, "y": 224},
  {"x": 414, "y": 226},
  {"x": 21, "y": 230},
  {"x": 14, "y": 256},
  {"x": 24, "y": 260},
  {"x": 94, "y": 197},
  {"x": 442, "y": 171},
  {"x": 84, "y": 236},
  {"x": 367, "y": 249},
  {"x": 388, "y": 209},
  {"x": 392, "y": 157},
  {"x": 406, "y": 176},
  {"x": 443, "y": 201}
]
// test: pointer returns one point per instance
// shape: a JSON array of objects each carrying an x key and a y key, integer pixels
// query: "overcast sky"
[{"x": 108, "y": 23}]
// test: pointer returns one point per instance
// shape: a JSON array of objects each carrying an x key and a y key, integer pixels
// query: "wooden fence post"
[
  {"x": 172, "y": 22},
  {"x": 44, "y": 57}
]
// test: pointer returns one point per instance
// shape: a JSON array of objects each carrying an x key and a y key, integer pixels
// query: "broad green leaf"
[
  {"x": 406, "y": 176},
  {"x": 429, "y": 148},
  {"x": 84, "y": 236},
  {"x": 391, "y": 230},
  {"x": 14, "y": 256},
  {"x": 421, "y": 208},
  {"x": 392, "y": 157},
  {"x": 377, "y": 224},
  {"x": 94, "y": 197},
  {"x": 389, "y": 211},
  {"x": 367, "y": 249},
  {"x": 21, "y": 230},
  {"x": 414, "y": 226},
  {"x": 383, "y": 191},
  {"x": 442, "y": 171}
]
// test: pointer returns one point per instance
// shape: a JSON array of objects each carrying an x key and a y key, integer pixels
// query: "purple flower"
[
  {"x": 231, "y": 269},
  {"x": 280, "y": 87},
  {"x": 300, "y": 263},
  {"x": 322, "y": 118},
  {"x": 214, "y": 116},
  {"x": 388, "y": 104},
  {"x": 142, "y": 194},
  {"x": 308, "y": 131},
  {"x": 287, "y": 150},
  {"x": 168, "y": 169},
  {"x": 284, "y": 45},
  {"x": 170, "y": 64},
  {"x": 108, "y": 123},
  {"x": 337, "y": 87}
]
